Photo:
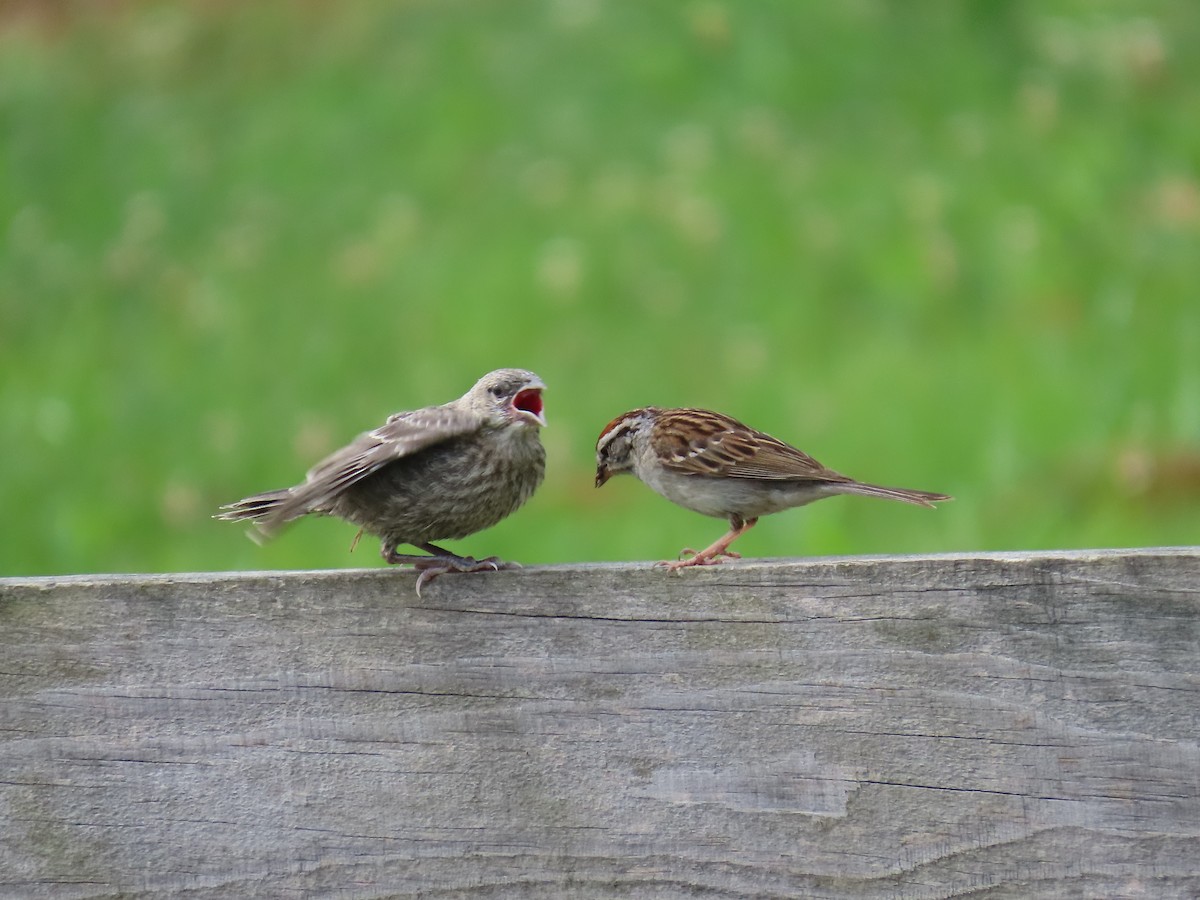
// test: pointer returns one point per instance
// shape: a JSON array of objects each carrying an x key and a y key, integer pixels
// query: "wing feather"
[
  {"x": 702, "y": 442},
  {"x": 403, "y": 434}
]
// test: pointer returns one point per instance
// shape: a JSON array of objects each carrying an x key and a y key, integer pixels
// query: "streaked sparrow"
[
  {"x": 714, "y": 465},
  {"x": 437, "y": 473}
]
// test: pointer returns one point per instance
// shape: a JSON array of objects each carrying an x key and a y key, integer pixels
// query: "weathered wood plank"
[{"x": 998, "y": 725}]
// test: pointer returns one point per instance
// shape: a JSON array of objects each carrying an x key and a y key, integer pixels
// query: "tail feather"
[
  {"x": 257, "y": 507},
  {"x": 905, "y": 495},
  {"x": 261, "y": 509}
]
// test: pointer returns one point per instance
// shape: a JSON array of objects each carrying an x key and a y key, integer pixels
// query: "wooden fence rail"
[{"x": 987, "y": 725}]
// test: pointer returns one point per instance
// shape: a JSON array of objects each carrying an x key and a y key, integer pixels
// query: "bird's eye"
[{"x": 496, "y": 392}]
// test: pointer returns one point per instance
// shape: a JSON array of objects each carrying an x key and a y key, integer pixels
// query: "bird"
[
  {"x": 715, "y": 465},
  {"x": 431, "y": 474}
]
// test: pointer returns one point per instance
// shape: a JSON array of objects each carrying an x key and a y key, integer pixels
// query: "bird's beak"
[
  {"x": 602, "y": 475},
  {"x": 527, "y": 404}
]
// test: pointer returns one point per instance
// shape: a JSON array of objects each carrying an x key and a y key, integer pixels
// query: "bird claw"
[
  {"x": 494, "y": 562},
  {"x": 441, "y": 565},
  {"x": 689, "y": 557},
  {"x": 688, "y": 552}
]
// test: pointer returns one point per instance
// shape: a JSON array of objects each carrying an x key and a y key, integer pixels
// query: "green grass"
[{"x": 945, "y": 246}]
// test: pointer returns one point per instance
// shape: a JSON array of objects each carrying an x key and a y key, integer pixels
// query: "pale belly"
[{"x": 726, "y": 497}]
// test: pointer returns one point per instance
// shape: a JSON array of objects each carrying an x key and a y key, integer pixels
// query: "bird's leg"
[
  {"x": 715, "y": 552},
  {"x": 440, "y": 562}
]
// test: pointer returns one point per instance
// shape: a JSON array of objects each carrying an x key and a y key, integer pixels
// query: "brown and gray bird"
[
  {"x": 714, "y": 465},
  {"x": 432, "y": 474}
]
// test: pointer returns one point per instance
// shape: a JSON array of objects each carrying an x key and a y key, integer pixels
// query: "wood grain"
[{"x": 991, "y": 726}]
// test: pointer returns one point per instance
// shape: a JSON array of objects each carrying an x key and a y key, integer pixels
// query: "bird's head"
[
  {"x": 509, "y": 397},
  {"x": 615, "y": 448}
]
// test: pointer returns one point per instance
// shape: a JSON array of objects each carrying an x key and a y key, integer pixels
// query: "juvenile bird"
[
  {"x": 432, "y": 474},
  {"x": 714, "y": 465}
]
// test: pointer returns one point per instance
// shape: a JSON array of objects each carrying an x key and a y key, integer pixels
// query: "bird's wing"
[
  {"x": 403, "y": 434},
  {"x": 701, "y": 442}
]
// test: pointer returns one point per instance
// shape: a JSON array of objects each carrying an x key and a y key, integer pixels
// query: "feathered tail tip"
[
  {"x": 255, "y": 509},
  {"x": 905, "y": 495}
]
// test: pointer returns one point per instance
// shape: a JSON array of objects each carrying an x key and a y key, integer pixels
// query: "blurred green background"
[{"x": 951, "y": 246}]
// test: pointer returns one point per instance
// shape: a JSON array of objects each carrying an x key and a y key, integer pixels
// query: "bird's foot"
[
  {"x": 441, "y": 561},
  {"x": 689, "y": 557},
  {"x": 430, "y": 567},
  {"x": 710, "y": 555}
]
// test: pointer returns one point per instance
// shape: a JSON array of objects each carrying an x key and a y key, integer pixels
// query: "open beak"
[{"x": 527, "y": 404}]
